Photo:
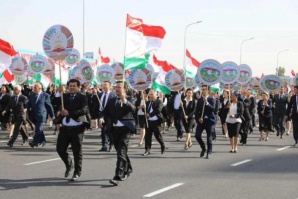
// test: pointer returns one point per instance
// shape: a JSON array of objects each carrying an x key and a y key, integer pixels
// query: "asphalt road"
[{"x": 262, "y": 169}]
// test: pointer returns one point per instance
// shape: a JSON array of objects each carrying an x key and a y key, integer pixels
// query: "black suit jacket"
[
  {"x": 246, "y": 106},
  {"x": 17, "y": 108},
  {"x": 156, "y": 109},
  {"x": 267, "y": 110},
  {"x": 253, "y": 105},
  {"x": 115, "y": 112},
  {"x": 208, "y": 110},
  {"x": 292, "y": 107},
  {"x": 190, "y": 109},
  {"x": 4, "y": 101},
  {"x": 280, "y": 103},
  {"x": 77, "y": 108}
]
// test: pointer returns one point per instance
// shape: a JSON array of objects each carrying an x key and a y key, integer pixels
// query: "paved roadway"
[{"x": 259, "y": 170}]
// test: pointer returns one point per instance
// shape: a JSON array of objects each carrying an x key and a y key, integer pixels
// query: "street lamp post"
[
  {"x": 184, "y": 51},
  {"x": 278, "y": 60},
  {"x": 241, "y": 47}
]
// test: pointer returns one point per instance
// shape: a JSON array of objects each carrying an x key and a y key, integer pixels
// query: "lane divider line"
[
  {"x": 31, "y": 163},
  {"x": 163, "y": 190},
  {"x": 242, "y": 162},
  {"x": 283, "y": 148}
]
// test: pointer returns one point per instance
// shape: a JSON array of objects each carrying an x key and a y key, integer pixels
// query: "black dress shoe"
[
  {"x": 9, "y": 144},
  {"x": 202, "y": 153},
  {"x": 114, "y": 182},
  {"x": 146, "y": 153},
  {"x": 209, "y": 155},
  {"x": 163, "y": 149},
  {"x": 103, "y": 149},
  {"x": 277, "y": 134},
  {"x": 68, "y": 170},
  {"x": 75, "y": 177},
  {"x": 32, "y": 144}
]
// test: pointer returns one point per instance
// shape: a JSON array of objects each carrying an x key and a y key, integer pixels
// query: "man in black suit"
[
  {"x": 280, "y": 101},
  {"x": 205, "y": 120},
  {"x": 154, "y": 117},
  {"x": 104, "y": 97},
  {"x": 74, "y": 122},
  {"x": 252, "y": 110},
  {"x": 246, "y": 120},
  {"x": 120, "y": 110},
  {"x": 292, "y": 112},
  {"x": 39, "y": 105},
  {"x": 17, "y": 104}
]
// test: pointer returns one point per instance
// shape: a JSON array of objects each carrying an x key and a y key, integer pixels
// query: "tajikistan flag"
[
  {"x": 6, "y": 53},
  {"x": 153, "y": 36},
  {"x": 159, "y": 83},
  {"x": 191, "y": 65},
  {"x": 135, "y": 44}
]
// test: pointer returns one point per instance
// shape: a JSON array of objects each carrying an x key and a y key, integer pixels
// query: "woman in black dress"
[
  {"x": 223, "y": 112},
  {"x": 189, "y": 105},
  {"x": 4, "y": 100}
]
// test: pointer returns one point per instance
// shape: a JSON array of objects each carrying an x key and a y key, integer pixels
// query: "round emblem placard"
[
  {"x": 50, "y": 67},
  {"x": 76, "y": 73},
  {"x": 230, "y": 72},
  {"x": 20, "y": 79},
  {"x": 38, "y": 64},
  {"x": 18, "y": 66},
  {"x": 118, "y": 69},
  {"x": 87, "y": 71},
  {"x": 190, "y": 82},
  {"x": 270, "y": 83},
  {"x": 105, "y": 73},
  {"x": 209, "y": 72},
  {"x": 175, "y": 79},
  {"x": 57, "y": 42},
  {"x": 245, "y": 74},
  {"x": 140, "y": 79},
  {"x": 73, "y": 57}
]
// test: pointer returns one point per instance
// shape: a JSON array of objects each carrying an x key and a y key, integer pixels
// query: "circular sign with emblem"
[
  {"x": 18, "y": 66},
  {"x": 190, "y": 82},
  {"x": 245, "y": 74},
  {"x": 209, "y": 72},
  {"x": 73, "y": 57},
  {"x": 87, "y": 71},
  {"x": 230, "y": 72},
  {"x": 57, "y": 42},
  {"x": 118, "y": 70},
  {"x": 154, "y": 74},
  {"x": 197, "y": 80},
  {"x": 50, "y": 67},
  {"x": 140, "y": 79},
  {"x": 20, "y": 79},
  {"x": 175, "y": 79},
  {"x": 270, "y": 83},
  {"x": 255, "y": 83},
  {"x": 105, "y": 73},
  {"x": 38, "y": 64},
  {"x": 76, "y": 73}
]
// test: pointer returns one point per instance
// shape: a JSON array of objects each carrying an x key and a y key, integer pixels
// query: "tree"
[{"x": 281, "y": 71}]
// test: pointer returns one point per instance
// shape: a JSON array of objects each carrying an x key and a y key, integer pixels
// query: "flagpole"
[
  {"x": 123, "y": 78},
  {"x": 62, "y": 102},
  {"x": 83, "y": 28},
  {"x": 184, "y": 51}
]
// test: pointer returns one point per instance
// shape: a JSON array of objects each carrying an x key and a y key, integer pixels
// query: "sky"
[{"x": 226, "y": 23}]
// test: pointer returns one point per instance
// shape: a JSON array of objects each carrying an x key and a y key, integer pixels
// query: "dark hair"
[
  {"x": 228, "y": 92},
  {"x": 296, "y": 86},
  {"x": 6, "y": 87},
  {"x": 107, "y": 81},
  {"x": 124, "y": 84},
  {"x": 74, "y": 80},
  {"x": 204, "y": 85},
  {"x": 189, "y": 89}
]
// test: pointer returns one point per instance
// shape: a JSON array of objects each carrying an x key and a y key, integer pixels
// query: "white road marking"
[
  {"x": 242, "y": 162},
  {"x": 163, "y": 190},
  {"x": 136, "y": 145},
  {"x": 284, "y": 148},
  {"x": 31, "y": 163}
]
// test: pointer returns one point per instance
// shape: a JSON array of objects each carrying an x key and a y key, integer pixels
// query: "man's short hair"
[
  {"x": 18, "y": 87},
  {"x": 74, "y": 80},
  {"x": 296, "y": 86}
]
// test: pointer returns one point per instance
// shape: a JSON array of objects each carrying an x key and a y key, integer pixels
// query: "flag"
[
  {"x": 159, "y": 83},
  {"x": 191, "y": 65},
  {"x": 293, "y": 73},
  {"x": 6, "y": 53},
  {"x": 104, "y": 60},
  {"x": 153, "y": 36},
  {"x": 135, "y": 44},
  {"x": 215, "y": 88}
]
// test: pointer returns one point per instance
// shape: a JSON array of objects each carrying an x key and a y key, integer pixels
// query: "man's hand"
[
  {"x": 201, "y": 120},
  {"x": 181, "y": 104},
  {"x": 64, "y": 112},
  {"x": 3, "y": 113},
  {"x": 147, "y": 115},
  {"x": 101, "y": 122},
  {"x": 186, "y": 117}
]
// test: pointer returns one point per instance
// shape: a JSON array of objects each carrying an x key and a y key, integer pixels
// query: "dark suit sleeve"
[
  {"x": 247, "y": 103},
  {"x": 210, "y": 106},
  {"x": 129, "y": 105},
  {"x": 157, "y": 108},
  {"x": 193, "y": 110},
  {"x": 290, "y": 104},
  {"x": 82, "y": 110},
  {"x": 239, "y": 110},
  {"x": 48, "y": 105},
  {"x": 9, "y": 105}
]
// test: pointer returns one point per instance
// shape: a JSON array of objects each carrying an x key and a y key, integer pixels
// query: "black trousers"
[
  {"x": 73, "y": 136},
  {"x": 279, "y": 122},
  {"x": 178, "y": 122},
  {"x": 121, "y": 136},
  {"x": 154, "y": 127},
  {"x": 245, "y": 125},
  {"x": 18, "y": 128},
  {"x": 295, "y": 127},
  {"x": 206, "y": 125}
]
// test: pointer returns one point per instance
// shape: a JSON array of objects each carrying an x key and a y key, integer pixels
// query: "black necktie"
[
  {"x": 72, "y": 97},
  {"x": 149, "y": 107},
  {"x": 104, "y": 100},
  {"x": 16, "y": 100}
]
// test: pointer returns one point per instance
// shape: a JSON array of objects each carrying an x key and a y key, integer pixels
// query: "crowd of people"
[{"x": 116, "y": 111}]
